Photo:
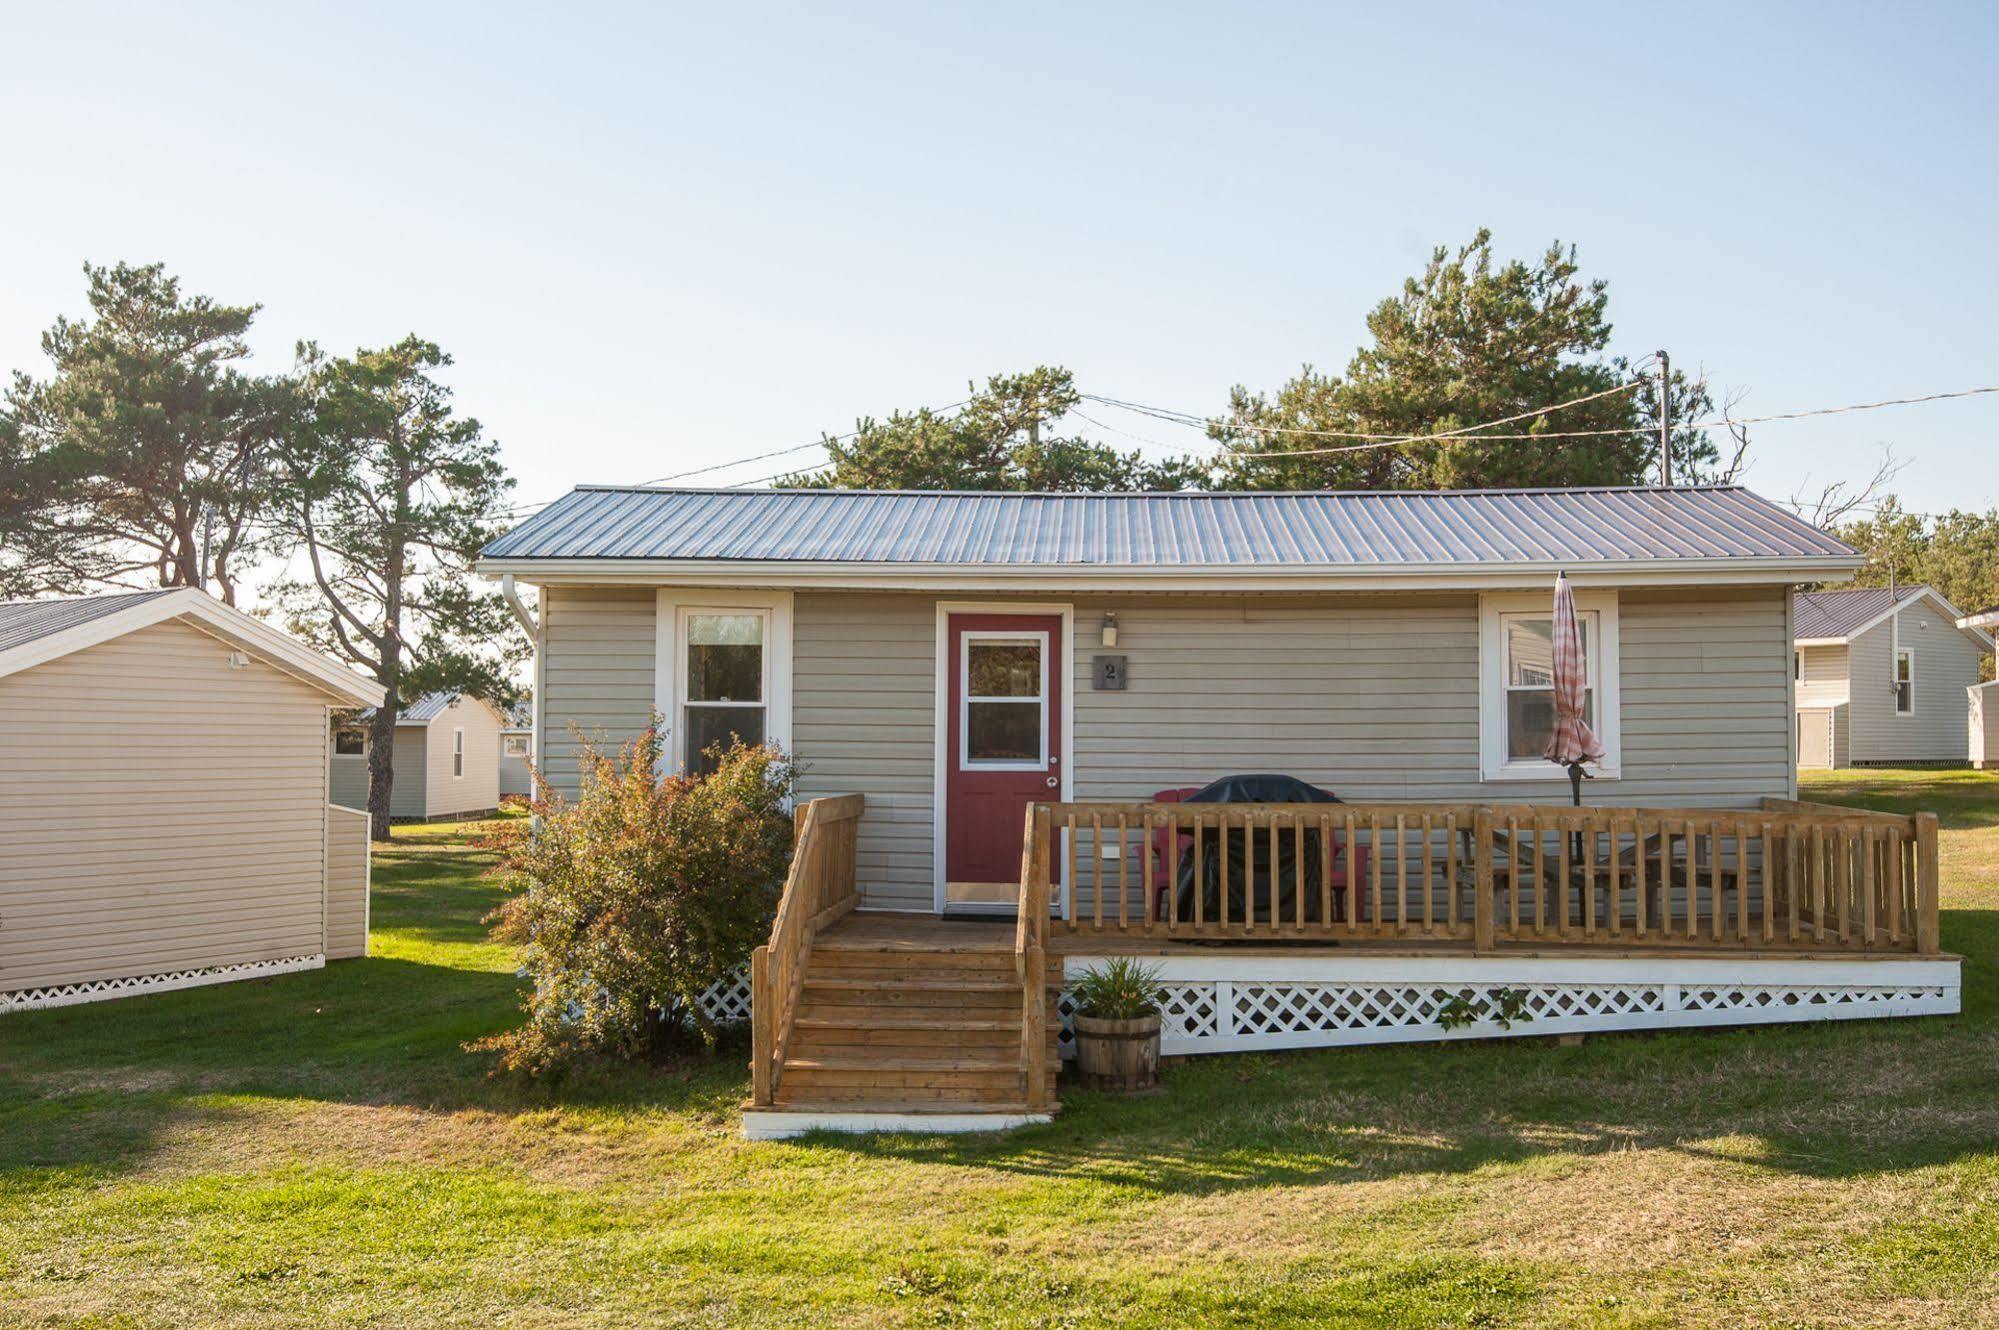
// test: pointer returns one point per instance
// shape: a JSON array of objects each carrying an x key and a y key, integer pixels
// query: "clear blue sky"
[{"x": 655, "y": 240}]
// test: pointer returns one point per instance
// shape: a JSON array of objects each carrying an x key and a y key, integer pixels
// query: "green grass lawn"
[{"x": 318, "y": 1149}]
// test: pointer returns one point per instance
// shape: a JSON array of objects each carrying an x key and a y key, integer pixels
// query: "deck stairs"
[{"x": 894, "y": 1028}]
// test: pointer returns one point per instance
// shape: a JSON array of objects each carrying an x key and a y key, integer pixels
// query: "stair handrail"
[
  {"x": 820, "y": 886},
  {"x": 1030, "y": 955}
]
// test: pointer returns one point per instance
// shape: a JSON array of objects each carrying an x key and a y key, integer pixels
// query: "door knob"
[{"x": 1052, "y": 782}]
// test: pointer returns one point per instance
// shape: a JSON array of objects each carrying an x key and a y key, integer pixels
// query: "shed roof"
[
  {"x": 25, "y": 621},
  {"x": 1168, "y": 533},
  {"x": 33, "y": 632}
]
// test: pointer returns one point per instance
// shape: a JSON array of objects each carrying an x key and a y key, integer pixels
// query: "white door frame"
[{"x": 1061, "y": 655}]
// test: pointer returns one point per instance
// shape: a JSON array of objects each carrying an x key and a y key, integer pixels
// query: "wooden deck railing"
[
  {"x": 820, "y": 887},
  {"x": 1782, "y": 875}
]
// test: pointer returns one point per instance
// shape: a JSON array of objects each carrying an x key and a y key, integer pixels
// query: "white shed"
[{"x": 164, "y": 819}]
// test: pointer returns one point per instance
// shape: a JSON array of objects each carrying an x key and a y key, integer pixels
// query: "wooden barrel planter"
[{"x": 1118, "y": 1055}]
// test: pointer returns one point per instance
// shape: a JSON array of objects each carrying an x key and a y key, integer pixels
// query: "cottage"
[
  {"x": 517, "y": 754},
  {"x": 1000, "y": 703},
  {"x": 447, "y": 758},
  {"x": 1882, "y": 676},
  {"x": 164, "y": 818}
]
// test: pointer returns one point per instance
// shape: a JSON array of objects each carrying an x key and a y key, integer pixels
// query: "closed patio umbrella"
[{"x": 1573, "y": 742}]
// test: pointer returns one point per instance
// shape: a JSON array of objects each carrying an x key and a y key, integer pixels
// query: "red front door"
[{"x": 1003, "y": 737}]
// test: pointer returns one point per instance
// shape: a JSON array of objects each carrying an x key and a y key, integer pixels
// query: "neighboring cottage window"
[
  {"x": 458, "y": 752},
  {"x": 725, "y": 697},
  {"x": 1905, "y": 682},
  {"x": 350, "y": 743},
  {"x": 1516, "y": 666},
  {"x": 1797, "y": 665},
  {"x": 517, "y": 745}
]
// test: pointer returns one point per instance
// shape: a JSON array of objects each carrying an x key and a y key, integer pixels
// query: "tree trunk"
[{"x": 381, "y": 766}]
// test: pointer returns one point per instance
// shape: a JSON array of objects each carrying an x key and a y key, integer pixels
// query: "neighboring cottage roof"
[
  {"x": 426, "y": 709},
  {"x": 1168, "y": 534},
  {"x": 1841, "y": 616},
  {"x": 521, "y": 717},
  {"x": 33, "y": 632}
]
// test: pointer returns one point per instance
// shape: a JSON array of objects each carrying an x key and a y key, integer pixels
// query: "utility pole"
[{"x": 1665, "y": 420}]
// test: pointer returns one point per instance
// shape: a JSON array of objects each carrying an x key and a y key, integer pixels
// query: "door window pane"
[
  {"x": 1003, "y": 731},
  {"x": 1003, "y": 669},
  {"x": 708, "y": 726},
  {"x": 725, "y": 657}
]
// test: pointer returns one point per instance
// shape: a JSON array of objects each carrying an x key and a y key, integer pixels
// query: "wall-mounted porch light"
[{"x": 1110, "y": 628}]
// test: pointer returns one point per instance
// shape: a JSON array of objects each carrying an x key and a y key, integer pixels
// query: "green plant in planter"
[{"x": 1123, "y": 989}]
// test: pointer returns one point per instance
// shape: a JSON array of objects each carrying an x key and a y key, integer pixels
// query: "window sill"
[{"x": 1545, "y": 772}]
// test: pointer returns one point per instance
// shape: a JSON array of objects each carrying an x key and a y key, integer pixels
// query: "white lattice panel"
[
  {"x": 1215, "y": 1005},
  {"x": 104, "y": 990},
  {"x": 728, "y": 1000}
]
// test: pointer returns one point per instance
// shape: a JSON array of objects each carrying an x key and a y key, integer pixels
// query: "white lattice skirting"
[
  {"x": 1225, "y": 1004},
  {"x": 728, "y": 1000},
  {"x": 103, "y": 990}
]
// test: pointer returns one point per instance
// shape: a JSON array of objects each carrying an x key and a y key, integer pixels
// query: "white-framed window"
[
  {"x": 458, "y": 752},
  {"x": 1797, "y": 665},
  {"x": 350, "y": 741},
  {"x": 722, "y": 667},
  {"x": 1516, "y": 692},
  {"x": 1003, "y": 714},
  {"x": 517, "y": 745},
  {"x": 1905, "y": 681}
]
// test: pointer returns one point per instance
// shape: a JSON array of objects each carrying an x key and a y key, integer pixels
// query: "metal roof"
[
  {"x": 1303, "y": 530},
  {"x": 420, "y": 712},
  {"x": 1841, "y": 614},
  {"x": 25, "y": 621}
]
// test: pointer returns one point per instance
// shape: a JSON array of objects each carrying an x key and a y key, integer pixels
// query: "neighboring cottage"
[
  {"x": 517, "y": 754},
  {"x": 164, "y": 818},
  {"x": 1883, "y": 677},
  {"x": 446, "y": 758}
]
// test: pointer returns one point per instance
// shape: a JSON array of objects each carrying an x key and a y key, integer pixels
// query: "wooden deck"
[{"x": 1310, "y": 926}]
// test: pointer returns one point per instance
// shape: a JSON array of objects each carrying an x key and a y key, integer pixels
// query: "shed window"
[
  {"x": 725, "y": 685},
  {"x": 517, "y": 745},
  {"x": 458, "y": 752},
  {"x": 1905, "y": 682},
  {"x": 350, "y": 742},
  {"x": 1517, "y": 657}
]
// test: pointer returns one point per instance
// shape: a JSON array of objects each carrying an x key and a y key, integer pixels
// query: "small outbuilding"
[
  {"x": 164, "y": 819},
  {"x": 1882, "y": 676},
  {"x": 446, "y": 761}
]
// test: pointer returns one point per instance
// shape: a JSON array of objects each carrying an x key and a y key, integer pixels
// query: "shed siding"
[
  {"x": 478, "y": 790},
  {"x": 1373, "y": 696},
  {"x": 1822, "y": 678},
  {"x": 1946, "y": 665},
  {"x": 1984, "y": 726},
  {"x": 129, "y": 846},
  {"x": 597, "y": 673},
  {"x": 346, "y": 883},
  {"x": 863, "y": 721}
]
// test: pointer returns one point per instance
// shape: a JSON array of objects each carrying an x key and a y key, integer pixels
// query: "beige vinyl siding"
[
  {"x": 478, "y": 790},
  {"x": 863, "y": 721},
  {"x": 1377, "y": 698},
  {"x": 1373, "y": 696},
  {"x": 159, "y": 811},
  {"x": 346, "y": 883},
  {"x": 1822, "y": 680},
  {"x": 347, "y": 779},
  {"x": 596, "y": 673},
  {"x": 1823, "y": 734},
  {"x": 1946, "y": 665}
]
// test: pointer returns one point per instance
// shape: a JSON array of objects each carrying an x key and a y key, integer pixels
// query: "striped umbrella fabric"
[{"x": 1573, "y": 740}]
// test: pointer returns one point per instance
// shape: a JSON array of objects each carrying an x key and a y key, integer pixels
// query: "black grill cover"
[{"x": 1271, "y": 889}]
